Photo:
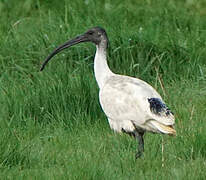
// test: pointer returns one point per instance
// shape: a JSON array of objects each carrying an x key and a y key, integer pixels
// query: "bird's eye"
[{"x": 90, "y": 32}]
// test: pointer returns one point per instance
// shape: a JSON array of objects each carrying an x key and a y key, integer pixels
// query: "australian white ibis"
[{"x": 130, "y": 104}]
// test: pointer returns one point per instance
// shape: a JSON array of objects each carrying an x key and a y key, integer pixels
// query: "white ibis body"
[{"x": 130, "y": 104}]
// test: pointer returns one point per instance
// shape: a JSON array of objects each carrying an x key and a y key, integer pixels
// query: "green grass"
[{"x": 52, "y": 126}]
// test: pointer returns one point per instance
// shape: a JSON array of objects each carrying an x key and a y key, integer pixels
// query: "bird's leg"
[
  {"x": 129, "y": 133},
  {"x": 139, "y": 136},
  {"x": 140, "y": 149}
]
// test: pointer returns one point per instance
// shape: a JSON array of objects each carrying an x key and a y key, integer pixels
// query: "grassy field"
[{"x": 52, "y": 126}]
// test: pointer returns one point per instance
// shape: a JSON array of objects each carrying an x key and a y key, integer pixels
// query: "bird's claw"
[{"x": 138, "y": 155}]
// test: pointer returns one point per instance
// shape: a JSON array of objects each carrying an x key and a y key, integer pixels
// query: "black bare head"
[{"x": 97, "y": 35}]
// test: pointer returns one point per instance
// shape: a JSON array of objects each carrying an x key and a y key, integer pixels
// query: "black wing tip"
[{"x": 158, "y": 107}]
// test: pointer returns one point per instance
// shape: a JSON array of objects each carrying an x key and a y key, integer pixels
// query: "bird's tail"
[{"x": 165, "y": 129}]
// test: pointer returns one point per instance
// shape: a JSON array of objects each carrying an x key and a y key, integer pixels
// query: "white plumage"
[
  {"x": 130, "y": 104},
  {"x": 125, "y": 102}
]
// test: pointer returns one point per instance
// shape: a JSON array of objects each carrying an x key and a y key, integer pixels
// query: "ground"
[{"x": 52, "y": 126}]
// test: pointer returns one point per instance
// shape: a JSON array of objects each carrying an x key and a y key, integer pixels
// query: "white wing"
[{"x": 125, "y": 101}]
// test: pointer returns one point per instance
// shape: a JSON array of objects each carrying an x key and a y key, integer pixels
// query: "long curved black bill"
[{"x": 78, "y": 39}]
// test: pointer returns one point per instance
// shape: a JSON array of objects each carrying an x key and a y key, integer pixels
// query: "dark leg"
[
  {"x": 140, "y": 149},
  {"x": 129, "y": 133},
  {"x": 138, "y": 135}
]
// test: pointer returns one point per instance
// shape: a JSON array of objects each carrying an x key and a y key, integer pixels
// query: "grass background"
[{"x": 52, "y": 126}]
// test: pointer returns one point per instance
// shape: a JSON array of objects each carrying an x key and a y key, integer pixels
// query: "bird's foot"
[{"x": 138, "y": 155}]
